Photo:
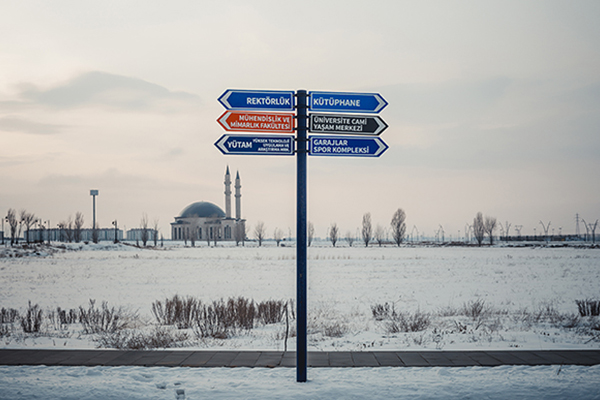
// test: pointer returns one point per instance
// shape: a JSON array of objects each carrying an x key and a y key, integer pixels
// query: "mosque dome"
[{"x": 202, "y": 209}]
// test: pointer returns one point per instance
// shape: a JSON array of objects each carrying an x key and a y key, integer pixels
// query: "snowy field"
[
  {"x": 526, "y": 296},
  {"x": 107, "y": 383}
]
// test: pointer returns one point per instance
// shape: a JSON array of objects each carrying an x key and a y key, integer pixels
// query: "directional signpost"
[
  {"x": 281, "y": 145},
  {"x": 257, "y": 122},
  {"x": 242, "y": 116},
  {"x": 347, "y": 102},
  {"x": 273, "y": 100},
  {"x": 348, "y": 124},
  {"x": 344, "y": 146}
]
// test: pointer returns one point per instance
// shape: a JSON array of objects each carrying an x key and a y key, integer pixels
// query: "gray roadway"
[{"x": 272, "y": 359}]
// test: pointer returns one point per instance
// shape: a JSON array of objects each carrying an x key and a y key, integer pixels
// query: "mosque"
[{"x": 207, "y": 221}]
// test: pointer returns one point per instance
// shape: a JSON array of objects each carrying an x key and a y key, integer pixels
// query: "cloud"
[
  {"x": 16, "y": 124},
  {"x": 444, "y": 102},
  {"x": 104, "y": 89}
]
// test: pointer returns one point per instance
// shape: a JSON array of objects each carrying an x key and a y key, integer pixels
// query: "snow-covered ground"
[
  {"x": 107, "y": 383},
  {"x": 528, "y": 297}
]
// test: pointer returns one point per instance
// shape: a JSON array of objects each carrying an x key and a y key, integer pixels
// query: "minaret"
[
  {"x": 238, "y": 197},
  {"x": 227, "y": 194}
]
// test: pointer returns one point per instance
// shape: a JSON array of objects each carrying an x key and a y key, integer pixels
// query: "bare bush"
[
  {"x": 60, "y": 319},
  {"x": 271, "y": 311},
  {"x": 334, "y": 329},
  {"x": 8, "y": 315},
  {"x": 5, "y": 330},
  {"x": 475, "y": 309},
  {"x": 222, "y": 319},
  {"x": 31, "y": 322},
  {"x": 588, "y": 307},
  {"x": 177, "y": 311},
  {"x": 159, "y": 338},
  {"x": 104, "y": 319},
  {"x": 214, "y": 322},
  {"x": 243, "y": 312},
  {"x": 408, "y": 322},
  {"x": 382, "y": 311}
]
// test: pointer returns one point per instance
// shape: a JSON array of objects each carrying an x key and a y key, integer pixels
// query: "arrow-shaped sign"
[
  {"x": 280, "y": 145},
  {"x": 348, "y": 146},
  {"x": 280, "y": 100},
  {"x": 257, "y": 122},
  {"x": 347, "y": 102},
  {"x": 346, "y": 124}
]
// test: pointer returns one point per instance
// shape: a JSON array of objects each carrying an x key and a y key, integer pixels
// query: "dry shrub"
[
  {"x": 31, "y": 322},
  {"x": 271, "y": 311},
  {"x": 177, "y": 311},
  {"x": 382, "y": 311},
  {"x": 588, "y": 307},
  {"x": 407, "y": 322},
  {"x": 475, "y": 309},
  {"x": 326, "y": 320},
  {"x": 159, "y": 338},
  {"x": 104, "y": 319},
  {"x": 8, "y": 316}
]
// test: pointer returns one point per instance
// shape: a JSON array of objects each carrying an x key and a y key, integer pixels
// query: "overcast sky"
[{"x": 494, "y": 106}]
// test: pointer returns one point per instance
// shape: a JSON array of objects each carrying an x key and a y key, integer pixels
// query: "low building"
[{"x": 206, "y": 221}]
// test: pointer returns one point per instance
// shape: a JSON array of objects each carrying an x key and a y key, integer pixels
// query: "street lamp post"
[
  {"x": 116, "y": 230},
  {"x": 94, "y": 193}
]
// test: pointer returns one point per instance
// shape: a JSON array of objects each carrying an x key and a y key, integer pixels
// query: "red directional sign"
[{"x": 248, "y": 121}]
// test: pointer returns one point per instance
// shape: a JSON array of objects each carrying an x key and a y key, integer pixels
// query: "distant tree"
[
  {"x": 155, "y": 228},
  {"x": 13, "y": 222},
  {"x": 66, "y": 228},
  {"x": 311, "y": 233},
  {"x": 490, "y": 227},
  {"x": 77, "y": 226},
  {"x": 478, "y": 228},
  {"x": 259, "y": 232},
  {"x": 398, "y": 225},
  {"x": 239, "y": 233},
  {"x": 379, "y": 235},
  {"x": 349, "y": 238},
  {"x": 277, "y": 236},
  {"x": 193, "y": 233},
  {"x": 144, "y": 229},
  {"x": 333, "y": 233},
  {"x": 95, "y": 236},
  {"x": 367, "y": 229},
  {"x": 27, "y": 219},
  {"x": 62, "y": 227}
]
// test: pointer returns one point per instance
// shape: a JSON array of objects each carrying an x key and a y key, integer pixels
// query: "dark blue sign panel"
[
  {"x": 275, "y": 145},
  {"x": 258, "y": 100},
  {"x": 346, "y": 124},
  {"x": 346, "y": 146},
  {"x": 347, "y": 102}
]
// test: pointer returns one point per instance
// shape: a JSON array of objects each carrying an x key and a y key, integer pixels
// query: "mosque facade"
[{"x": 206, "y": 221}]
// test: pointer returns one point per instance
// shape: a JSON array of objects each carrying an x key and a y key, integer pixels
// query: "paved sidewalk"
[{"x": 272, "y": 359}]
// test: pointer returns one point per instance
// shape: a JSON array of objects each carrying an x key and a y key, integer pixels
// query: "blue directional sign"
[
  {"x": 347, "y": 102},
  {"x": 346, "y": 146},
  {"x": 282, "y": 100},
  {"x": 276, "y": 145}
]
